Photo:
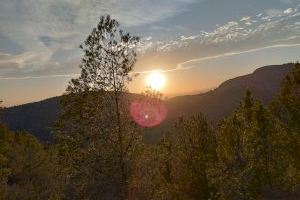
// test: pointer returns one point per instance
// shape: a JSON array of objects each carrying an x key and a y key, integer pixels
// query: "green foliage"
[
  {"x": 290, "y": 98},
  {"x": 179, "y": 166},
  {"x": 152, "y": 93},
  {"x": 26, "y": 169},
  {"x": 252, "y": 152},
  {"x": 95, "y": 133},
  {"x": 109, "y": 56},
  {"x": 154, "y": 171},
  {"x": 286, "y": 107},
  {"x": 196, "y": 153}
]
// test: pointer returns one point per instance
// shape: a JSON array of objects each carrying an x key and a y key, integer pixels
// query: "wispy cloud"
[
  {"x": 189, "y": 64},
  {"x": 52, "y": 30},
  {"x": 245, "y": 35},
  {"x": 260, "y": 28},
  {"x": 39, "y": 77},
  {"x": 181, "y": 66},
  {"x": 48, "y": 32}
]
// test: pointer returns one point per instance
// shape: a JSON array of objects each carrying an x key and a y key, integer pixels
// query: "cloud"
[
  {"x": 288, "y": 1},
  {"x": 245, "y": 35},
  {"x": 9, "y": 46},
  {"x": 192, "y": 37},
  {"x": 260, "y": 30},
  {"x": 181, "y": 66},
  {"x": 189, "y": 64},
  {"x": 288, "y": 11},
  {"x": 62, "y": 17},
  {"x": 29, "y": 60},
  {"x": 51, "y": 35},
  {"x": 245, "y": 18},
  {"x": 41, "y": 33},
  {"x": 9, "y": 66},
  {"x": 273, "y": 12},
  {"x": 39, "y": 77}
]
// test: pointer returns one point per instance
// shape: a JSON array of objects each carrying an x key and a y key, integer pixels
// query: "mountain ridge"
[{"x": 264, "y": 83}]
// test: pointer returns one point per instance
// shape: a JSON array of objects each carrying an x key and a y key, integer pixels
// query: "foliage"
[
  {"x": 95, "y": 132},
  {"x": 178, "y": 167},
  {"x": 286, "y": 107},
  {"x": 26, "y": 168},
  {"x": 252, "y": 152},
  {"x": 196, "y": 152}
]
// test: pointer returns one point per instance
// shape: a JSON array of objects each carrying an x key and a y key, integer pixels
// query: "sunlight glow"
[{"x": 156, "y": 80}]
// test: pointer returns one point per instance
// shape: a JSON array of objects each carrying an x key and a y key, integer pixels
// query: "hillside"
[
  {"x": 264, "y": 83},
  {"x": 35, "y": 117}
]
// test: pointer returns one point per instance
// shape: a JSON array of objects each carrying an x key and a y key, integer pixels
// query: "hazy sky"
[{"x": 197, "y": 43}]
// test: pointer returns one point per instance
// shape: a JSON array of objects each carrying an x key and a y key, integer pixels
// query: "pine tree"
[
  {"x": 290, "y": 98},
  {"x": 196, "y": 153},
  {"x": 179, "y": 166},
  {"x": 251, "y": 152},
  {"x": 95, "y": 131},
  {"x": 286, "y": 107}
]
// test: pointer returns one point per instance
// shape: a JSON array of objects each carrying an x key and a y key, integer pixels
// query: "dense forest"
[{"x": 99, "y": 152}]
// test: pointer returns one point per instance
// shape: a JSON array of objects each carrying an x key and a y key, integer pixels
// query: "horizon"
[
  {"x": 194, "y": 48},
  {"x": 171, "y": 96}
]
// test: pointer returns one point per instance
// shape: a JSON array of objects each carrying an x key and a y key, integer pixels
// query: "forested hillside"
[
  {"x": 38, "y": 117},
  {"x": 252, "y": 154}
]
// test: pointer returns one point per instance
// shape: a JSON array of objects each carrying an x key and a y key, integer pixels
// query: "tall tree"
[{"x": 94, "y": 129}]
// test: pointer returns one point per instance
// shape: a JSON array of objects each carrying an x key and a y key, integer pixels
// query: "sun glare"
[{"x": 156, "y": 80}]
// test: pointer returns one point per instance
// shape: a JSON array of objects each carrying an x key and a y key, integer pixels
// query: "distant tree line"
[{"x": 99, "y": 152}]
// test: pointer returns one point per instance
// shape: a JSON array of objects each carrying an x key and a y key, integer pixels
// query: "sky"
[{"x": 197, "y": 44}]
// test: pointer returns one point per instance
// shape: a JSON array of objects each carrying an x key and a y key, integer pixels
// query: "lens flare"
[{"x": 148, "y": 112}]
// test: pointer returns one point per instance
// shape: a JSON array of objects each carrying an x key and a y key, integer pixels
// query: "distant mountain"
[
  {"x": 264, "y": 83},
  {"x": 36, "y": 117}
]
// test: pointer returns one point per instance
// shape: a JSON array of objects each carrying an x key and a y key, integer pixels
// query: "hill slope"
[
  {"x": 36, "y": 117},
  {"x": 263, "y": 82}
]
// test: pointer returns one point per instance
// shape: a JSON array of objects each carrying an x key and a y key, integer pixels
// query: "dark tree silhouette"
[{"x": 95, "y": 109}]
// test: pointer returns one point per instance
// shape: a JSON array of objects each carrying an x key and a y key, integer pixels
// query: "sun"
[{"x": 156, "y": 80}]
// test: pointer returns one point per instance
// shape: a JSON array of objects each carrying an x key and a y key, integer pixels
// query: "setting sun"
[{"x": 156, "y": 80}]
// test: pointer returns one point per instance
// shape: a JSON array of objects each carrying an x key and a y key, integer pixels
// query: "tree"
[
  {"x": 26, "y": 170},
  {"x": 290, "y": 98},
  {"x": 251, "y": 153},
  {"x": 1, "y": 108},
  {"x": 154, "y": 172},
  {"x": 178, "y": 167},
  {"x": 4, "y": 170},
  {"x": 196, "y": 153},
  {"x": 94, "y": 129},
  {"x": 153, "y": 169},
  {"x": 286, "y": 107}
]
